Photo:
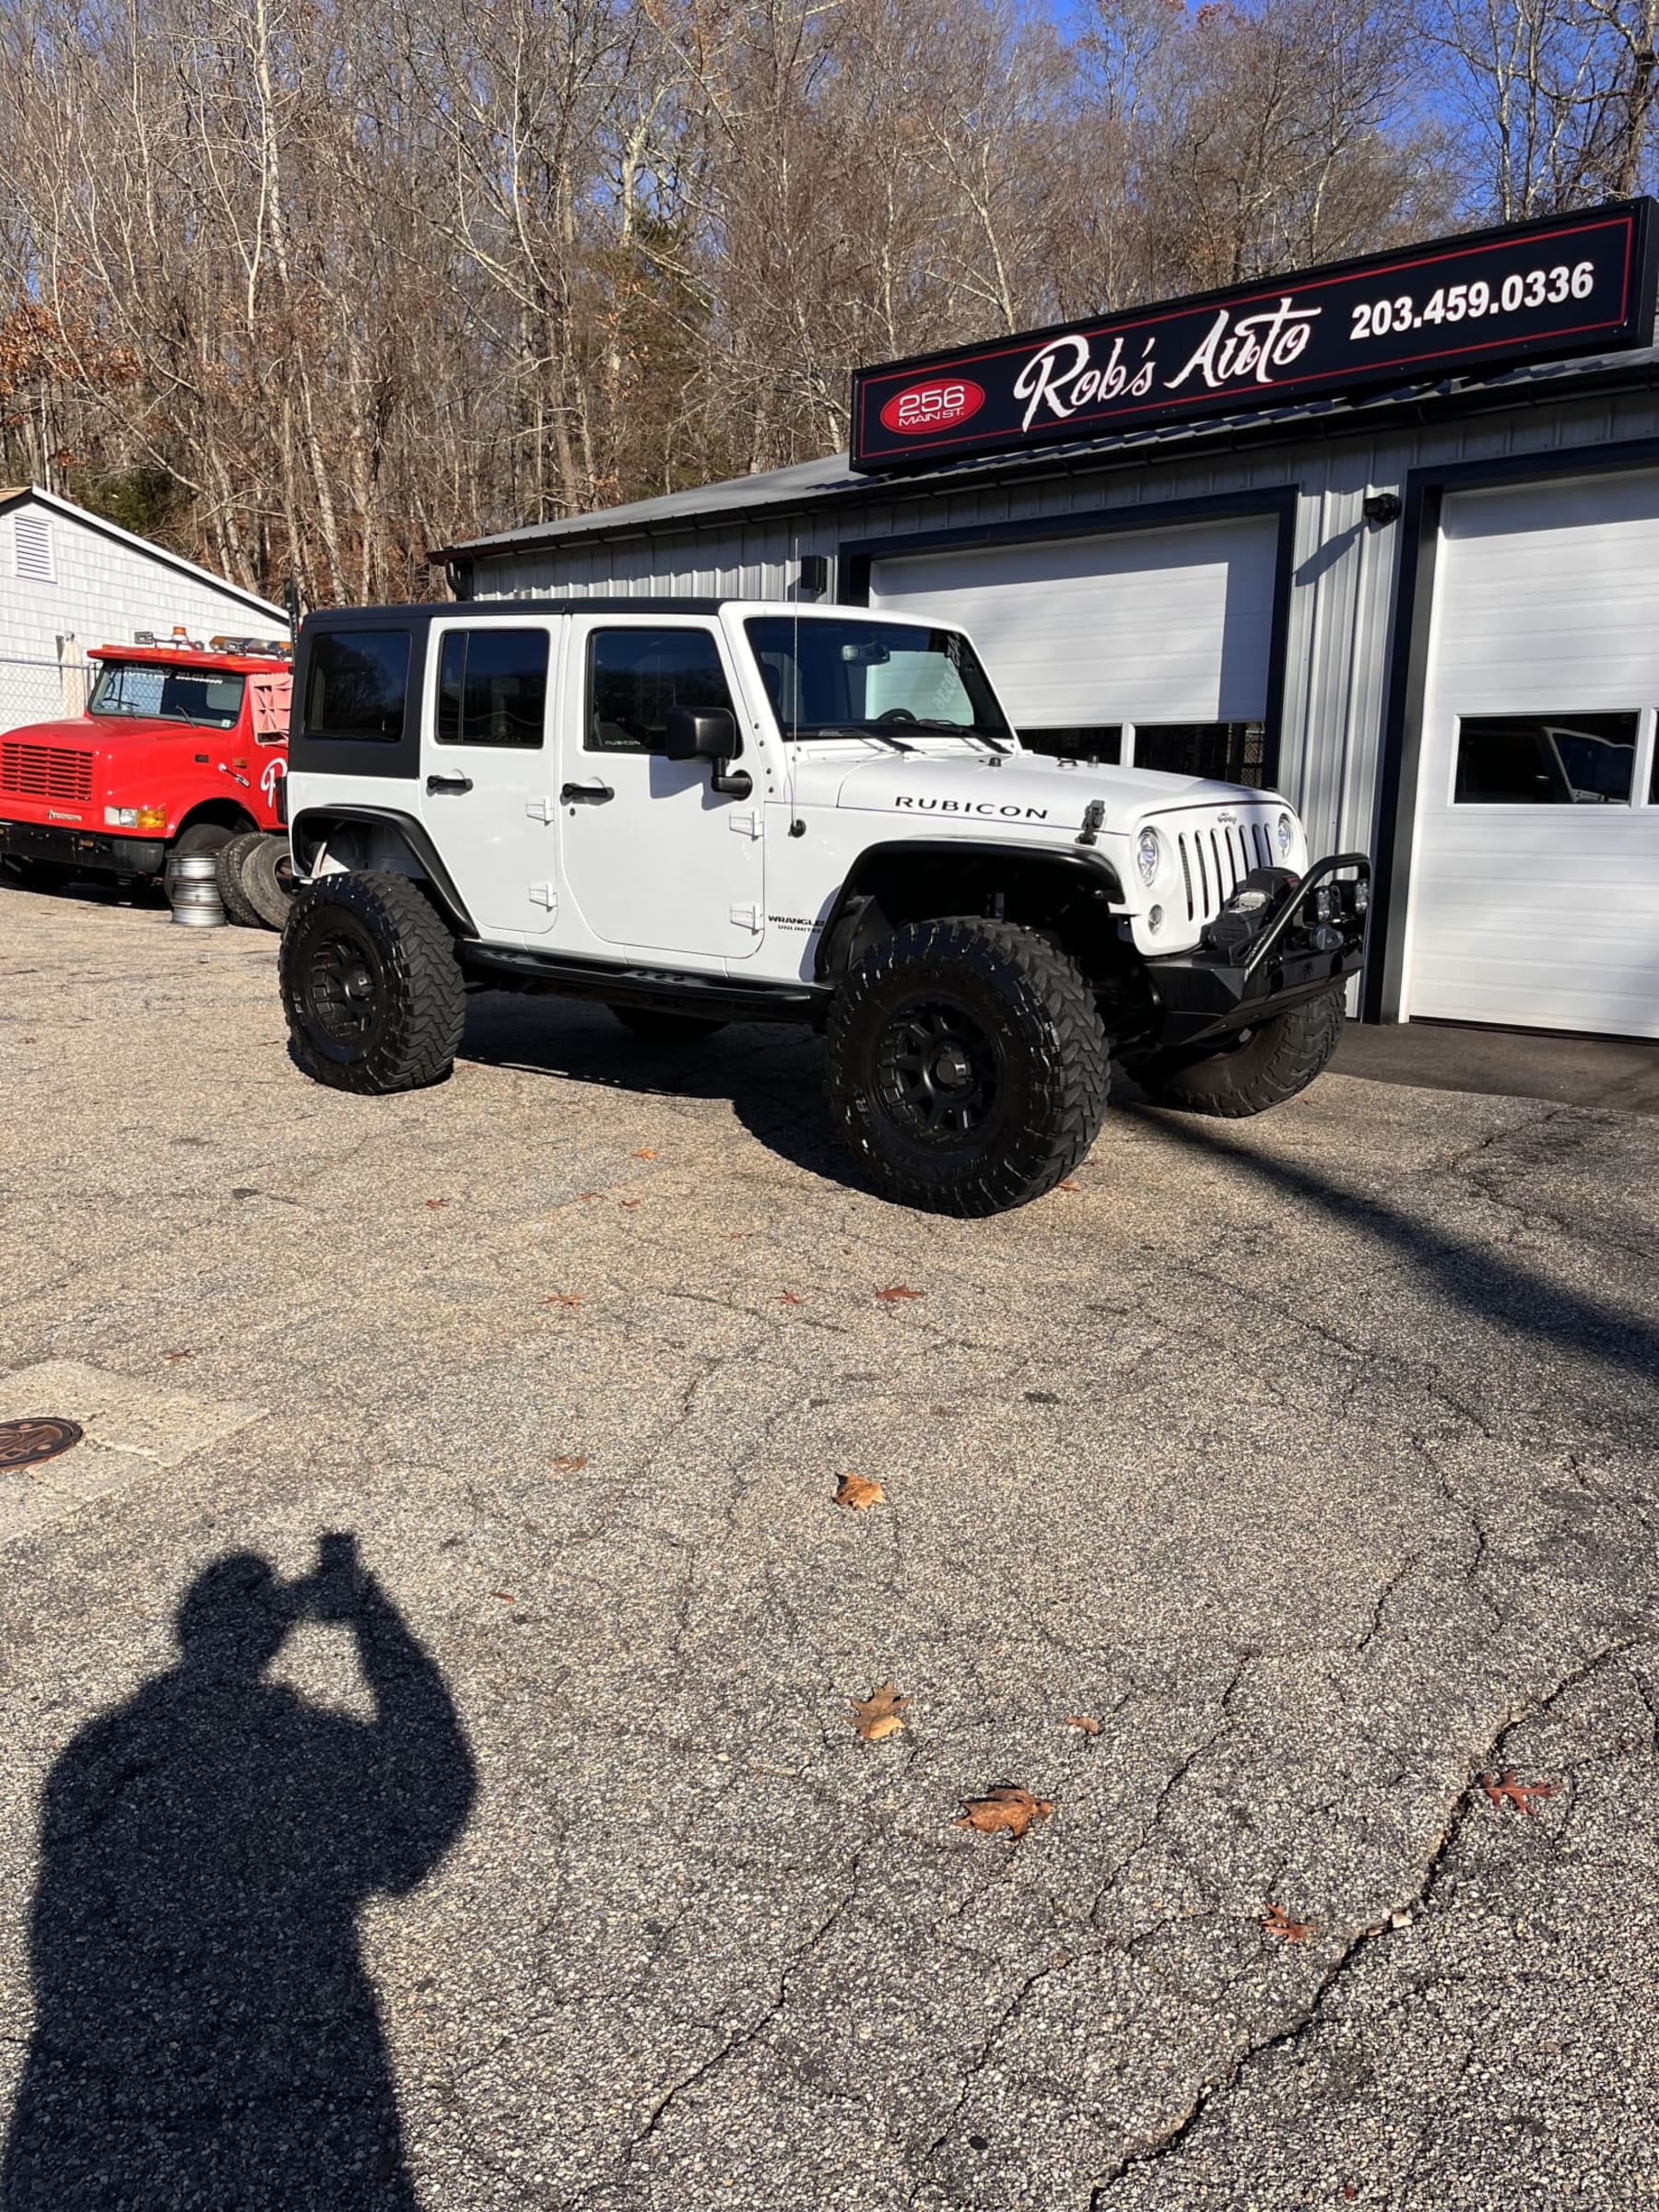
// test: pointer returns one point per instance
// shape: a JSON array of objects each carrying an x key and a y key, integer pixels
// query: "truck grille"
[
  {"x": 46, "y": 771},
  {"x": 1214, "y": 859}
]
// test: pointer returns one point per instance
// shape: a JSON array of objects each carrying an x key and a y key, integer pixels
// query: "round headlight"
[
  {"x": 1148, "y": 855},
  {"x": 1284, "y": 832}
]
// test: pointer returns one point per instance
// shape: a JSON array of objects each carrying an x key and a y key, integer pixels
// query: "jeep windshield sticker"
[{"x": 1007, "y": 814}]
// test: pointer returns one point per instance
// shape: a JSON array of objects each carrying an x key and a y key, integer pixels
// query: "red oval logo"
[{"x": 939, "y": 406}]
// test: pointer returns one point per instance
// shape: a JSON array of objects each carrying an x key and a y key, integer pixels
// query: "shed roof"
[
  {"x": 21, "y": 494},
  {"x": 770, "y": 493}
]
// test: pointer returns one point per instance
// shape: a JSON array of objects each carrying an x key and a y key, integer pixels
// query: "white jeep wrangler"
[{"x": 702, "y": 811}]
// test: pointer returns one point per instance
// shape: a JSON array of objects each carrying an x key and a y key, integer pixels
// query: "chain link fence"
[{"x": 41, "y": 691}]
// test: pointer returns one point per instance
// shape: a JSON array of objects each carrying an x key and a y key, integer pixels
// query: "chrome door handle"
[
  {"x": 455, "y": 784},
  {"x": 586, "y": 794}
]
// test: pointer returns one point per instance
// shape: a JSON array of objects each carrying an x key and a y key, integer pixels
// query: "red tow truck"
[{"x": 182, "y": 751}]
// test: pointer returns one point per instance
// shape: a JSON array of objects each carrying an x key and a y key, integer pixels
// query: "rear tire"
[
  {"x": 966, "y": 1065},
  {"x": 267, "y": 880},
  {"x": 655, "y": 1025},
  {"x": 371, "y": 985},
  {"x": 1276, "y": 1060},
  {"x": 228, "y": 869}
]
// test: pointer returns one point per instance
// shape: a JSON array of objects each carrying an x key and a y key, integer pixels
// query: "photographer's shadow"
[{"x": 204, "y": 2031}]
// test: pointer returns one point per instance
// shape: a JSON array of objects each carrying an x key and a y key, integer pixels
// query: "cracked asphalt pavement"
[{"x": 1312, "y": 1458}]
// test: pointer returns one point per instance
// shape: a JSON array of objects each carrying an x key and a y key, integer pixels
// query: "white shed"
[{"x": 70, "y": 580}]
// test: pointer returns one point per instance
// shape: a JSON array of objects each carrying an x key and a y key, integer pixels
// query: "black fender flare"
[
  {"x": 1091, "y": 871},
  {"x": 309, "y": 832}
]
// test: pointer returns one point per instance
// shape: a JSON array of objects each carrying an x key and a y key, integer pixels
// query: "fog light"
[
  {"x": 1361, "y": 897},
  {"x": 1155, "y": 919},
  {"x": 152, "y": 818},
  {"x": 121, "y": 818}
]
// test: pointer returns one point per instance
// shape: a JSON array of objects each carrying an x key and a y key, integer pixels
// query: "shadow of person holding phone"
[{"x": 205, "y": 2034}]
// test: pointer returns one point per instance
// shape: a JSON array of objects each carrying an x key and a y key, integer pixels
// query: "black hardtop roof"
[{"x": 429, "y": 610}]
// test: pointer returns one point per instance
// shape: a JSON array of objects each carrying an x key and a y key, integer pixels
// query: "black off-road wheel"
[
  {"x": 1263, "y": 1068},
  {"x": 966, "y": 1065},
  {"x": 227, "y": 870},
  {"x": 371, "y": 985},
  {"x": 268, "y": 879},
  {"x": 655, "y": 1025}
]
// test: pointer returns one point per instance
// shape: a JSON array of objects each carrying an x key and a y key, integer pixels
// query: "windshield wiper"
[
  {"x": 958, "y": 729},
  {"x": 836, "y": 729}
]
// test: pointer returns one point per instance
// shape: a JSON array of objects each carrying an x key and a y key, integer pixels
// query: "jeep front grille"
[
  {"x": 1214, "y": 859},
  {"x": 46, "y": 771}
]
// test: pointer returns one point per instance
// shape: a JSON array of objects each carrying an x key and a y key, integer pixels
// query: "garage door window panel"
[
  {"x": 1225, "y": 752},
  {"x": 635, "y": 676},
  {"x": 1564, "y": 759},
  {"x": 492, "y": 688},
  {"x": 1101, "y": 741}
]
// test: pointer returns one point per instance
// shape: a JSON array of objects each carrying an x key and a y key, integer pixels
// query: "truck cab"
[
  {"x": 697, "y": 811},
  {"x": 181, "y": 748}
]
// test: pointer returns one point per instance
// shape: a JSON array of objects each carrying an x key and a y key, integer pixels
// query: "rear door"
[
  {"x": 486, "y": 766},
  {"x": 657, "y": 861}
]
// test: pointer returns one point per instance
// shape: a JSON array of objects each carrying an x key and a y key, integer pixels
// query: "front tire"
[
  {"x": 371, "y": 985},
  {"x": 967, "y": 1064},
  {"x": 1276, "y": 1059}
]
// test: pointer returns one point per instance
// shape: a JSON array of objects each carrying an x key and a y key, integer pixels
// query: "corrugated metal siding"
[{"x": 1344, "y": 568}]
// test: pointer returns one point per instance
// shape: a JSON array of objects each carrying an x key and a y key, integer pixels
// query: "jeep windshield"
[
  {"x": 885, "y": 680},
  {"x": 202, "y": 695}
]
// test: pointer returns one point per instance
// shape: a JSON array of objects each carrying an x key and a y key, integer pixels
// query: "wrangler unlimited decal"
[{"x": 1007, "y": 814}]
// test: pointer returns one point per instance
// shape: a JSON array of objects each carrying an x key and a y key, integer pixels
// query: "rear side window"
[
  {"x": 492, "y": 686},
  {"x": 357, "y": 684},
  {"x": 635, "y": 676}
]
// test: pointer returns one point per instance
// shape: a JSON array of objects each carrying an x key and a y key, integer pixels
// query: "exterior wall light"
[{"x": 1382, "y": 507}]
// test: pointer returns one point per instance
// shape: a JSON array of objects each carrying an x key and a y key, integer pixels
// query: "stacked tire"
[{"x": 255, "y": 879}]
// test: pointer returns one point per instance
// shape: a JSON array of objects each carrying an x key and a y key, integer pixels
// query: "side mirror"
[{"x": 689, "y": 736}]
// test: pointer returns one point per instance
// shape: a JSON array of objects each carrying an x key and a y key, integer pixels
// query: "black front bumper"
[
  {"x": 1296, "y": 956},
  {"x": 85, "y": 849}
]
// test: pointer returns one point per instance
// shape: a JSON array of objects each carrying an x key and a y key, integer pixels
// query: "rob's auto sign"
[{"x": 1574, "y": 284}]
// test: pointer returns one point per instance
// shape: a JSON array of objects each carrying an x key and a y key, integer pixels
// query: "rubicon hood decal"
[{"x": 989, "y": 809}]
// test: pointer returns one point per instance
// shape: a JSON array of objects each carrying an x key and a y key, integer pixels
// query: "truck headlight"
[
  {"x": 121, "y": 818},
  {"x": 1148, "y": 856},
  {"x": 1284, "y": 835}
]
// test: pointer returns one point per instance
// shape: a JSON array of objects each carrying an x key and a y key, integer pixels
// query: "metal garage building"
[{"x": 1326, "y": 534}]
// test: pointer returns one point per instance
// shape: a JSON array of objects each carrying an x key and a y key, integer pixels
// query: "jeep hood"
[{"x": 1021, "y": 791}]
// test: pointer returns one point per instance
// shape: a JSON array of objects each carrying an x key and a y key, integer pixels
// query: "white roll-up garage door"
[
  {"x": 1138, "y": 625},
  {"x": 1536, "y": 859}
]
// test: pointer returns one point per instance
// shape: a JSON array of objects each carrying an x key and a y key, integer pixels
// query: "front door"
[
  {"x": 657, "y": 861},
  {"x": 487, "y": 793}
]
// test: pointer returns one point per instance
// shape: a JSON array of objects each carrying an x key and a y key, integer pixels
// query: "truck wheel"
[
  {"x": 228, "y": 867},
  {"x": 371, "y": 985},
  {"x": 658, "y": 1026},
  {"x": 198, "y": 841},
  {"x": 268, "y": 879},
  {"x": 968, "y": 1068},
  {"x": 1269, "y": 1063}
]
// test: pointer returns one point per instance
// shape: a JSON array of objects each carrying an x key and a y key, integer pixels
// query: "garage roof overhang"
[{"x": 829, "y": 484}]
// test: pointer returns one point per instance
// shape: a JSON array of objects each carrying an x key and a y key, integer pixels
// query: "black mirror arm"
[{"x": 731, "y": 783}]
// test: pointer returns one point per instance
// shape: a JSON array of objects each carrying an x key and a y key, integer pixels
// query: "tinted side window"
[
  {"x": 1545, "y": 759},
  {"x": 492, "y": 686},
  {"x": 635, "y": 676},
  {"x": 358, "y": 681}
]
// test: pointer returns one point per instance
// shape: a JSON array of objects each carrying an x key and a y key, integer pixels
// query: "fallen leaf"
[
  {"x": 563, "y": 1298},
  {"x": 433, "y": 1204},
  {"x": 506, "y": 1597},
  {"x": 645, "y": 1152},
  {"x": 629, "y": 1203},
  {"x": 859, "y": 1493},
  {"x": 791, "y": 1298},
  {"x": 1003, "y": 1811},
  {"x": 895, "y": 1291},
  {"x": 569, "y": 1462},
  {"x": 1066, "y": 1186},
  {"x": 1276, "y": 1921},
  {"x": 587, "y": 1196},
  {"x": 1507, "y": 1789},
  {"x": 1089, "y": 1725},
  {"x": 879, "y": 1714},
  {"x": 173, "y": 1358}
]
